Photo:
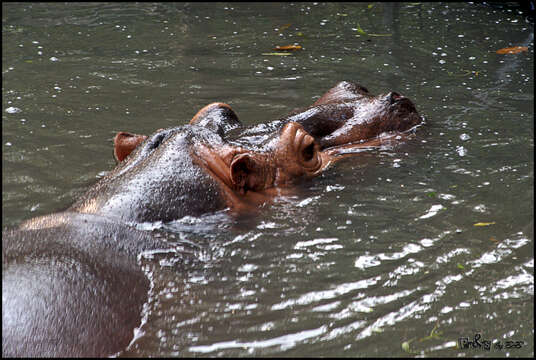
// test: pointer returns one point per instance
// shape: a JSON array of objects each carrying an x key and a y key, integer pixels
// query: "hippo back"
[{"x": 71, "y": 286}]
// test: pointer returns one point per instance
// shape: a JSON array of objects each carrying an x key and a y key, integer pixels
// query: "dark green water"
[{"x": 377, "y": 253}]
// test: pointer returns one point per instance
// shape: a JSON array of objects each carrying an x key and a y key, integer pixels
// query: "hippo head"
[
  {"x": 192, "y": 169},
  {"x": 207, "y": 165},
  {"x": 349, "y": 113}
]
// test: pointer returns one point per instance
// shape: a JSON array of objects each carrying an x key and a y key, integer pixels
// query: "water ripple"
[
  {"x": 316, "y": 296},
  {"x": 286, "y": 342}
]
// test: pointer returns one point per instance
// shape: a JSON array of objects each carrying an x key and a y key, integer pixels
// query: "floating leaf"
[
  {"x": 370, "y": 6},
  {"x": 431, "y": 194},
  {"x": 460, "y": 266},
  {"x": 434, "y": 334},
  {"x": 405, "y": 347},
  {"x": 362, "y": 32},
  {"x": 484, "y": 223},
  {"x": 288, "y": 47},
  {"x": 465, "y": 73},
  {"x": 277, "y": 54},
  {"x": 299, "y": 33},
  {"x": 284, "y": 27},
  {"x": 512, "y": 50}
]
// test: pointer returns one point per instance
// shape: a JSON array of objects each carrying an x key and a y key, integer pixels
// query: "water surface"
[{"x": 379, "y": 256}]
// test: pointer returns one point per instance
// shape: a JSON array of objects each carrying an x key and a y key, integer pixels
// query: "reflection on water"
[{"x": 378, "y": 256}]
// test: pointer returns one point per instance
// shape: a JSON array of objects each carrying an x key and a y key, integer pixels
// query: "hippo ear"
[
  {"x": 125, "y": 143},
  {"x": 247, "y": 172},
  {"x": 343, "y": 91},
  {"x": 218, "y": 117}
]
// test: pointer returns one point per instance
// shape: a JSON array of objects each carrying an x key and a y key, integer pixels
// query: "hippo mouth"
[
  {"x": 398, "y": 120},
  {"x": 333, "y": 153}
]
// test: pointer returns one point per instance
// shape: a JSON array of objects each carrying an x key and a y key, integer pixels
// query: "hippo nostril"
[
  {"x": 308, "y": 152},
  {"x": 307, "y": 146}
]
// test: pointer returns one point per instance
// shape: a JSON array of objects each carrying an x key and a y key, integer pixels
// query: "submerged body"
[{"x": 70, "y": 281}]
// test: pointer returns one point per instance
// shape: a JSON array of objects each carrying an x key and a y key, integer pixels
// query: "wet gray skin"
[
  {"x": 160, "y": 181},
  {"x": 72, "y": 286}
]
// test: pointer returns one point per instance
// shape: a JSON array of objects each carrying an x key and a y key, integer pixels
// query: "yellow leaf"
[
  {"x": 363, "y": 32},
  {"x": 360, "y": 31},
  {"x": 283, "y": 27},
  {"x": 277, "y": 54},
  {"x": 484, "y": 223}
]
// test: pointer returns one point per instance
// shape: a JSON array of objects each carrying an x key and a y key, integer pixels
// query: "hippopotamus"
[{"x": 71, "y": 282}]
